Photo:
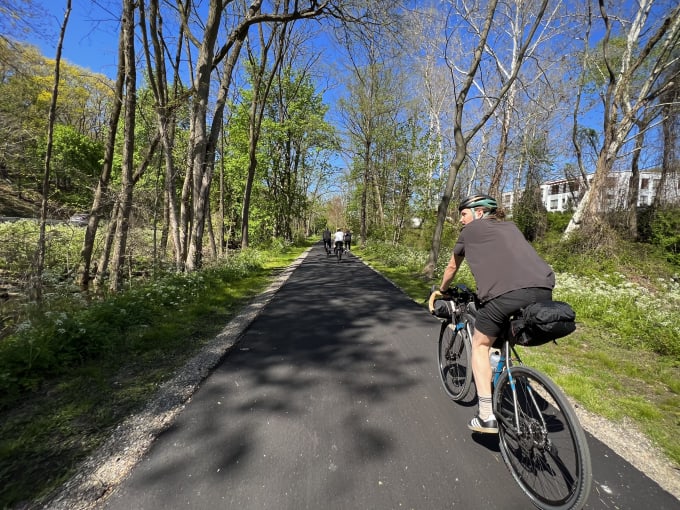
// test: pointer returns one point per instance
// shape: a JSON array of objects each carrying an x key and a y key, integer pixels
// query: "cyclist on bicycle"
[
  {"x": 326, "y": 236},
  {"x": 339, "y": 239},
  {"x": 348, "y": 240},
  {"x": 509, "y": 275}
]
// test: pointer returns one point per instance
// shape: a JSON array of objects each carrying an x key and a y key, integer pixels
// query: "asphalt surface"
[{"x": 331, "y": 400}]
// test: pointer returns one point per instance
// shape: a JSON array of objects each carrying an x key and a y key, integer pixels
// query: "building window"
[
  {"x": 554, "y": 189},
  {"x": 553, "y": 204},
  {"x": 644, "y": 184}
]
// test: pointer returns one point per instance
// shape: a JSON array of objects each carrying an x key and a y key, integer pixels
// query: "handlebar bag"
[
  {"x": 443, "y": 308},
  {"x": 543, "y": 322}
]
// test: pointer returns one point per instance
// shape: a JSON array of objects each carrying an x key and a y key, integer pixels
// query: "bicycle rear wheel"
[
  {"x": 548, "y": 454},
  {"x": 455, "y": 370}
]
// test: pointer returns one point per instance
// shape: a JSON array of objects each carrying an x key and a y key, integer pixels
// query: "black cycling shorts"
[{"x": 492, "y": 315}]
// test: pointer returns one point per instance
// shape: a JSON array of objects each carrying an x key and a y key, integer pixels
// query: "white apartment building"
[{"x": 563, "y": 194}]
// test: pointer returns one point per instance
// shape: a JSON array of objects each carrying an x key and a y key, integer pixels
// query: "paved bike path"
[{"x": 331, "y": 400}]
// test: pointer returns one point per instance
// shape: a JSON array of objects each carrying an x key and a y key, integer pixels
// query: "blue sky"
[{"x": 91, "y": 35}]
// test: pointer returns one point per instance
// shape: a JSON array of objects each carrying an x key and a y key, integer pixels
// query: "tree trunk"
[
  {"x": 165, "y": 115},
  {"x": 105, "y": 255},
  {"x": 36, "y": 284},
  {"x": 125, "y": 208},
  {"x": 634, "y": 186},
  {"x": 364, "y": 191},
  {"x": 198, "y": 141},
  {"x": 671, "y": 128},
  {"x": 261, "y": 88},
  {"x": 442, "y": 210},
  {"x": 494, "y": 187},
  {"x": 620, "y": 108},
  {"x": 252, "y": 167},
  {"x": 101, "y": 193}
]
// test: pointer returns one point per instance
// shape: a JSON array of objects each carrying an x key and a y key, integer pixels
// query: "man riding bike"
[
  {"x": 509, "y": 275},
  {"x": 326, "y": 236},
  {"x": 339, "y": 239}
]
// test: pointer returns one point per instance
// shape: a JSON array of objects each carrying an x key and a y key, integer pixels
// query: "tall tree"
[
  {"x": 462, "y": 138},
  {"x": 262, "y": 78},
  {"x": 127, "y": 164},
  {"x": 99, "y": 200},
  {"x": 204, "y": 140},
  {"x": 168, "y": 99},
  {"x": 40, "y": 262},
  {"x": 624, "y": 103},
  {"x": 670, "y": 115}
]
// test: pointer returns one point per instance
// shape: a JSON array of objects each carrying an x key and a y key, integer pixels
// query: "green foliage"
[
  {"x": 557, "y": 221},
  {"x": 293, "y": 147},
  {"x": 395, "y": 256},
  {"x": 665, "y": 232},
  {"x": 53, "y": 341},
  {"x": 18, "y": 241},
  {"x": 529, "y": 214},
  {"x": 75, "y": 165},
  {"x": 25, "y": 94},
  {"x": 51, "y": 422}
]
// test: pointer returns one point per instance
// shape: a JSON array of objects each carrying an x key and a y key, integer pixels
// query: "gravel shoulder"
[
  {"x": 628, "y": 442},
  {"x": 98, "y": 476}
]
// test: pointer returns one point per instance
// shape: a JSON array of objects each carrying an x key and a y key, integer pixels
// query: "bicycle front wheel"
[
  {"x": 455, "y": 370},
  {"x": 541, "y": 440}
]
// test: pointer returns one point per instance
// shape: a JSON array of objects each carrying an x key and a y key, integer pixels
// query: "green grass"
[
  {"x": 617, "y": 382},
  {"x": 54, "y": 422},
  {"x": 623, "y": 362}
]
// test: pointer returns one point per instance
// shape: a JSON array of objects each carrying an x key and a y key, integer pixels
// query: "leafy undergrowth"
[{"x": 50, "y": 424}]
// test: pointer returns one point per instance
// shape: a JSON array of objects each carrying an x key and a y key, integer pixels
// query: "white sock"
[{"x": 485, "y": 409}]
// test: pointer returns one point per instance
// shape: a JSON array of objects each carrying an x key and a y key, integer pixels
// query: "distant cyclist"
[
  {"x": 339, "y": 239},
  {"x": 348, "y": 239},
  {"x": 509, "y": 275},
  {"x": 326, "y": 236}
]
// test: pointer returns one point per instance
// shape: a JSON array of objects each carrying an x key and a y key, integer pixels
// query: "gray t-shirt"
[{"x": 501, "y": 259}]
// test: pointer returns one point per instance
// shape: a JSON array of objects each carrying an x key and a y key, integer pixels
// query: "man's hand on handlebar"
[{"x": 436, "y": 293}]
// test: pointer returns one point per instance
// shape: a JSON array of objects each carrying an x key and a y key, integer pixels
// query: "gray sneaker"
[{"x": 488, "y": 426}]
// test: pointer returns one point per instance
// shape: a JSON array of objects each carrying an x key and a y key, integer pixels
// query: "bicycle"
[
  {"x": 540, "y": 438},
  {"x": 338, "y": 250}
]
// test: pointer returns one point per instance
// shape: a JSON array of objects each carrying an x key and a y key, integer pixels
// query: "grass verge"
[{"x": 47, "y": 429}]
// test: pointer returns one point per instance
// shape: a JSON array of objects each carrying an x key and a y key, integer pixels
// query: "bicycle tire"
[
  {"x": 453, "y": 360},
  {"x": 339, "y": 254},
  {"x": 551, "y": 464}
]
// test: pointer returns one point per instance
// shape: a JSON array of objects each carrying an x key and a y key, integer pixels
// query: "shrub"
[
  {"x": 50, "y": 342},
  {"x": 557, "y": 221},
  {"x": 665, "y": 232}
]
